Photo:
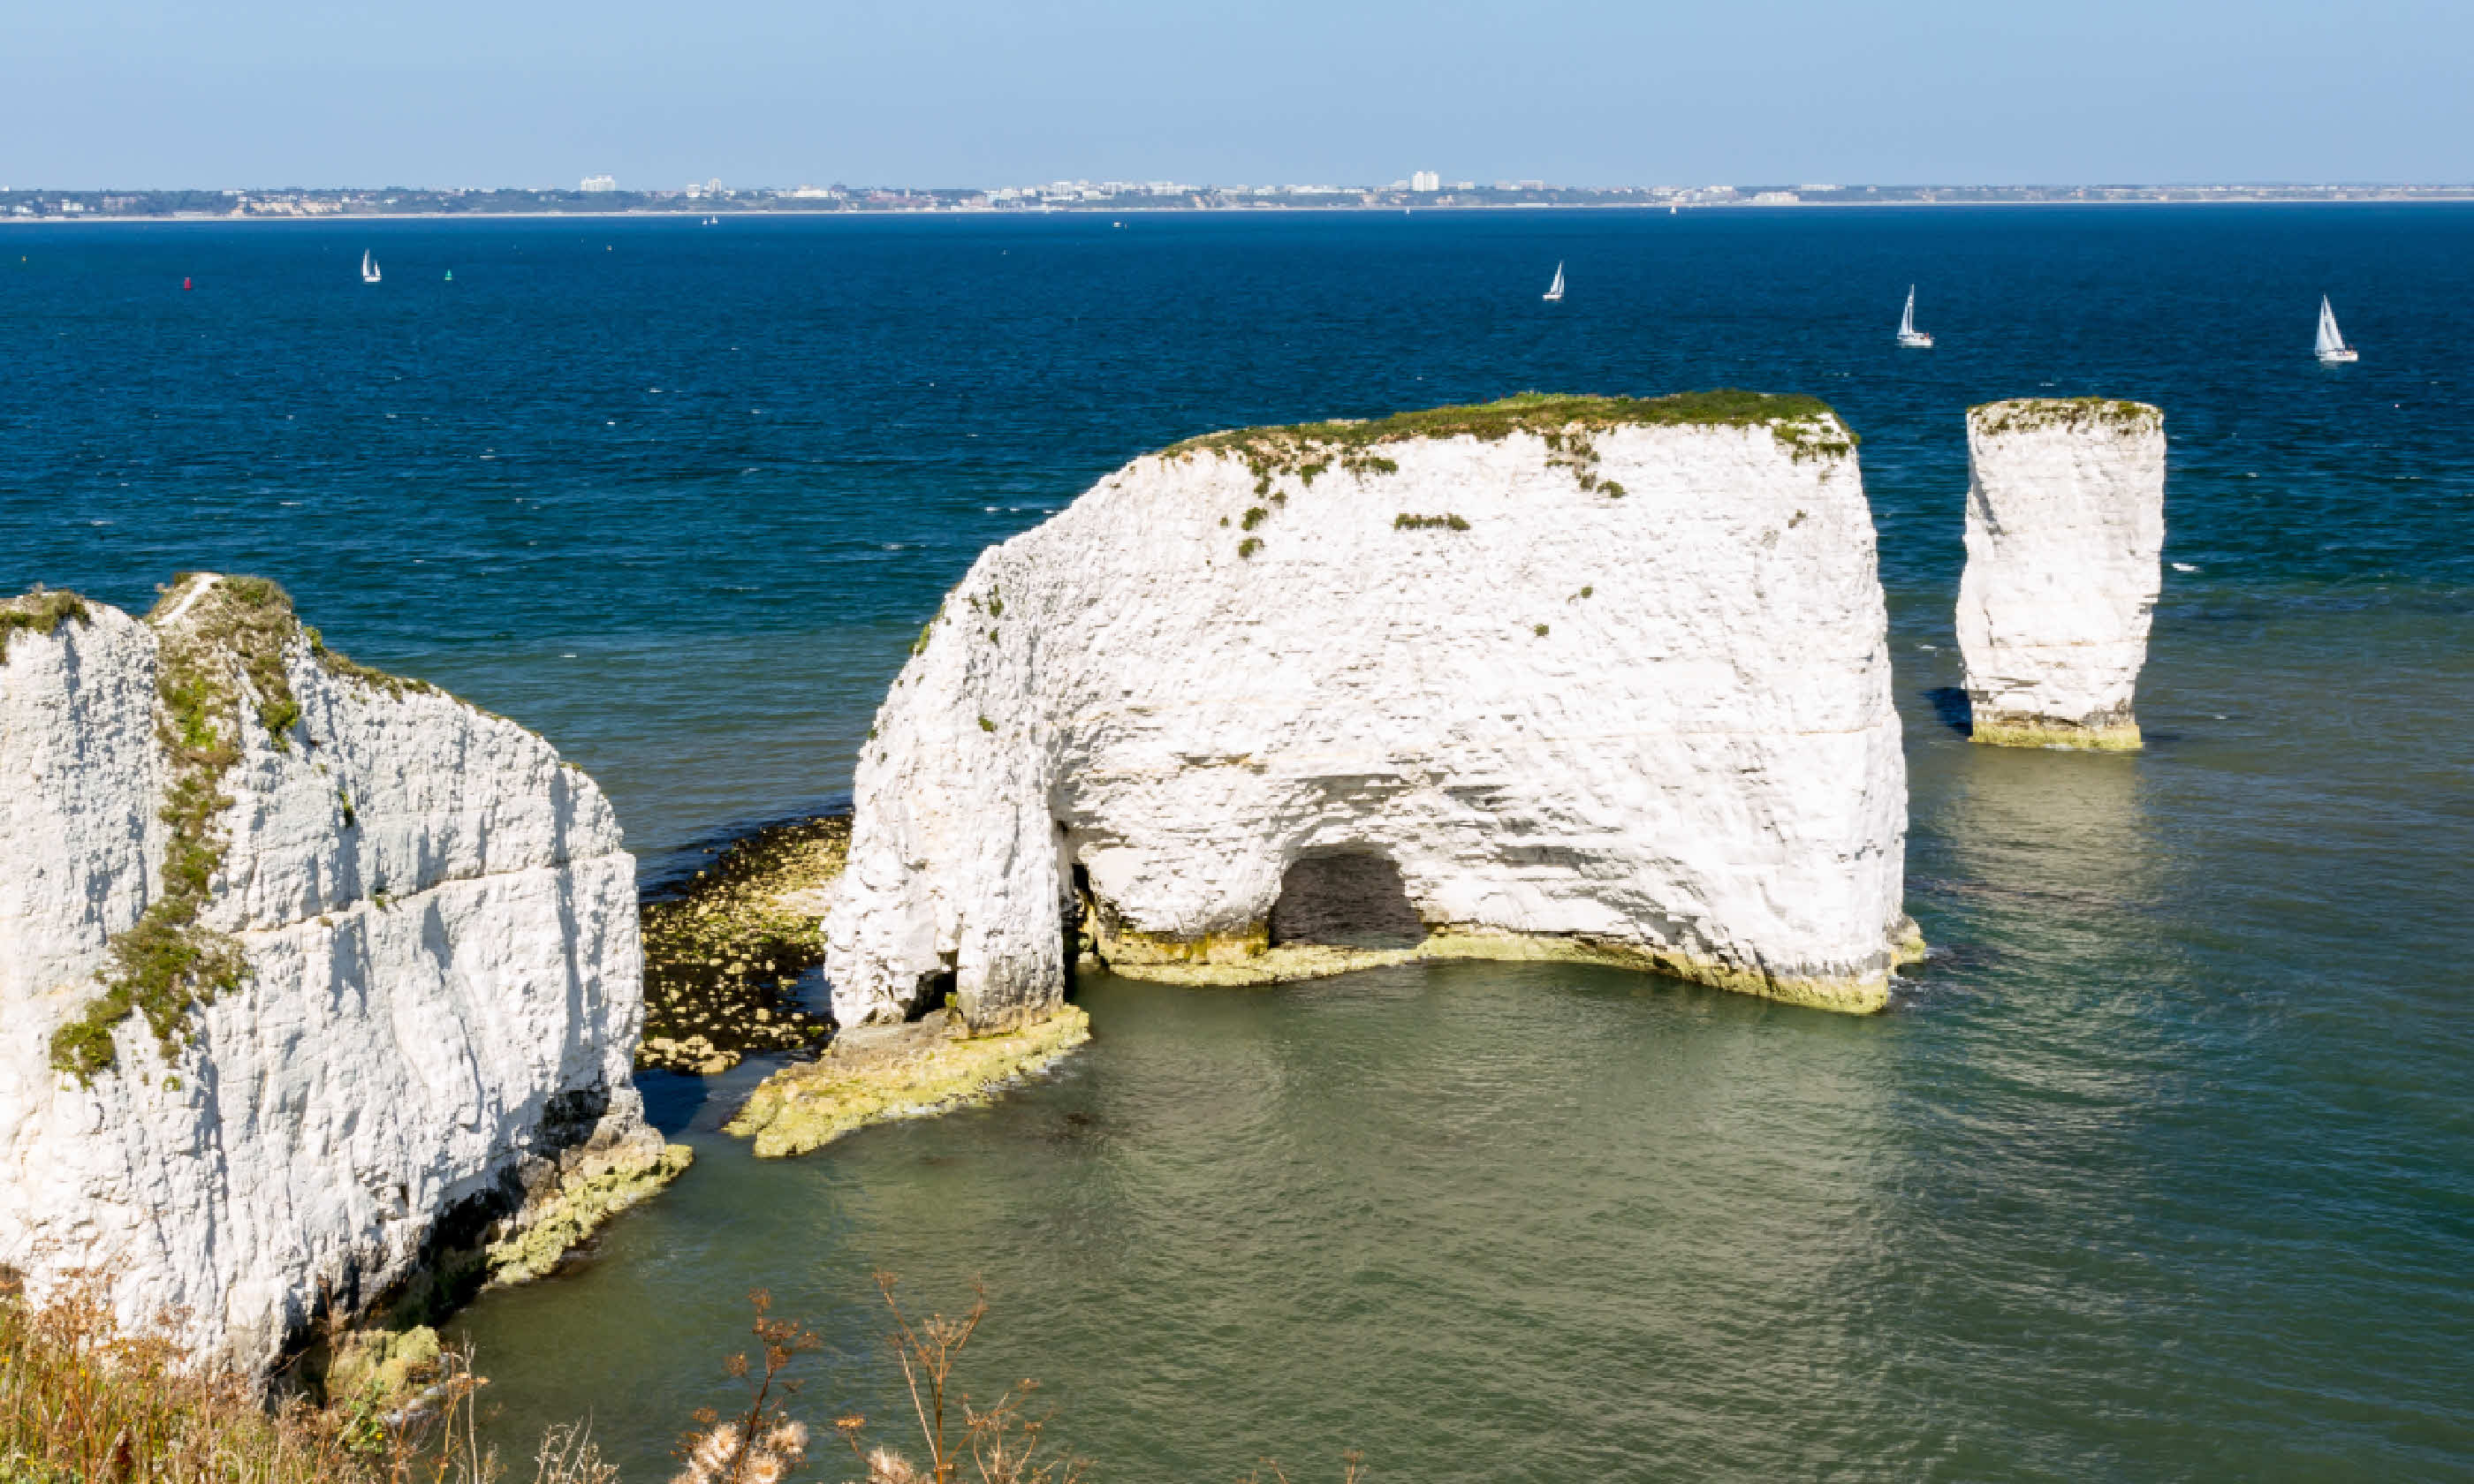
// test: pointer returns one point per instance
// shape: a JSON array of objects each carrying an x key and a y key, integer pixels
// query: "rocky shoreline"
[{"x": 724, "y": 955}]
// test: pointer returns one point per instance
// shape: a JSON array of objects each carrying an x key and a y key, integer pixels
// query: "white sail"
[
  {"x": 1555, "y": 290},
  {"x": 369, "y": 268},
  {"x": 1909, "y": 336},
  {"x": 2331, "y": 340}
]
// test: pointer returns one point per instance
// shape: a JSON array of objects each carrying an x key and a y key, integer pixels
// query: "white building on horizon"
[
  {"x": 1426, "y": 180},
  {"x": 597, "y": 186}
]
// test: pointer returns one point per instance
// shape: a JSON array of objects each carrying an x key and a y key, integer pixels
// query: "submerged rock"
[
  {"x": 318, "y": 986},
  {"x": 1555, "y": 676},
  {"x": 723, "y": 953},
  {"x": 2065, "y": 524}
]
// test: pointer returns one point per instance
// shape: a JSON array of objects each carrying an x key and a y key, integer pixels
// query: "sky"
[{"x": 258, "y": 93}]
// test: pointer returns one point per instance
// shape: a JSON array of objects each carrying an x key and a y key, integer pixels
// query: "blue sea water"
[{"x": 2161, "y": 1169}]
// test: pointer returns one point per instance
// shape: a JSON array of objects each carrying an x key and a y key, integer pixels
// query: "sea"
[{"x": 2160, "y": 1167}]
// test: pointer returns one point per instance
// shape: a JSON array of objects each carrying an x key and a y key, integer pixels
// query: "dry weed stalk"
[
  {"x": 1000, "y": 1444},
  {"x": 764, "y": 1446},
  {"x": 1352, "y": 1468}
]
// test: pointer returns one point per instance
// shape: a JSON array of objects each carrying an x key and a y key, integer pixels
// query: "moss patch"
[
  {"x": 2032, "y": 414},
  {"x": 876, "y": 1073},
  {"x": 722, "y": 957},
  {"x": 1803, "y": 426},
  {"x": 383, "y": 1365},
  {"x": 37, "y": 612}
]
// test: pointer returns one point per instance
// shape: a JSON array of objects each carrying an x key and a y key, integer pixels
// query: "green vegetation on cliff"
[
  {"x": 2031, "y": 414},
  {"x": 39, "y": 612},
  {"x": 222, "y": 639},
  {"x": 1805, "y": 425},
  {"x": 223, "y": 664}
]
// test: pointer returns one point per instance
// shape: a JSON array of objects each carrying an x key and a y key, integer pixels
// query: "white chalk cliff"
[
  {"x": 311, "y": 978},
  {"x": 1576, "y": 677},
  {"x": 2065, "y": 525}
]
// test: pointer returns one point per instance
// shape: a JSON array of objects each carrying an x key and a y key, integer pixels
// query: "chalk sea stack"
[
  {"x": 1572, "y": 678},
  {"x": 318, "y": 986},
  {"x": 2065, "y": 524}
]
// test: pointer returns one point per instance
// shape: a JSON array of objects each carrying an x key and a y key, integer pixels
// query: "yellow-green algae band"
[
  {"x": 583, "y": 1200},
  {"x": 1850, "y": 993},
  {"x": 2124, "y": 738},
  {"x": 804, "y": 1108}
]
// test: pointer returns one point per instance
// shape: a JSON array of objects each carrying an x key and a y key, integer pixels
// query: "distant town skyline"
[
  {"x": 145, "y": 94},
  {"x": 709, "y": 199}
]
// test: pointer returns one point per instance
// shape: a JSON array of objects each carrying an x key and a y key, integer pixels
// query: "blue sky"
[{"x": 977, "y": 92}]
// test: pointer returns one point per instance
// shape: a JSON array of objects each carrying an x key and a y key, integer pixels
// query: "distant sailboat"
[
  {"x": 369, "y": 268},
  {"x": 1555, "y": 290},
  {"x": 1908, "y": 335},
  {"x": 2333, "y": 349}
]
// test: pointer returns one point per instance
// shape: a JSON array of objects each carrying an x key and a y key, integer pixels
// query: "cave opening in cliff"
[{"x": 1353, "y": 901}]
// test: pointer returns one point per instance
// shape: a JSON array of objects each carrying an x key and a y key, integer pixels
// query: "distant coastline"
[
  {"x": 1117, "y": 199},
  {"x": 201, "y": 218}
]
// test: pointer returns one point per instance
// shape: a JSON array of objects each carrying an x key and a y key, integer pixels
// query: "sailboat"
[
  {"x": 1555, "y": 290},
  {"x": 2333, "y": 349},
  {"x": 1909, "y": 336},
  {"x": 369, "y": 268}
]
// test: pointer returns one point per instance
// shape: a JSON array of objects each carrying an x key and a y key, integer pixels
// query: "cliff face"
[
  {"x": 1553, "y": 678},
  {"x": 312, "y": 981},
  {"x": 2065, "y": 524}
]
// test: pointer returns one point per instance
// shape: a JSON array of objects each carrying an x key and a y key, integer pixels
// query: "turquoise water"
[{"x": 2162, "y": 1167}]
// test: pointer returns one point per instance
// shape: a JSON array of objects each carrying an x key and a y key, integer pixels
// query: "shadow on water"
[{"x": 1953, "y": 708}]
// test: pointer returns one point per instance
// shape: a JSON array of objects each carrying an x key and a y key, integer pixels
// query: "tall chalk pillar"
[{"x": 2065, "y": 524}]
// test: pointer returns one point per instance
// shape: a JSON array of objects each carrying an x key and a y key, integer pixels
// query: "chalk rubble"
[
  {"x": 2065, "y": 524},
  {"x": 1587, "y": 680},
  {"x": 423, "y": 1076}
]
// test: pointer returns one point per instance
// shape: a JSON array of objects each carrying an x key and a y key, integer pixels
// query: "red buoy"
[{"x": 184, "y": 283}]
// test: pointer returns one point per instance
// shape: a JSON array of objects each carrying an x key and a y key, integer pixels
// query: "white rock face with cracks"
[
  {"x": 2065, "y": 525},
  {"x": 443, "y": 997},
  {"x": 1618, "y": 692}
]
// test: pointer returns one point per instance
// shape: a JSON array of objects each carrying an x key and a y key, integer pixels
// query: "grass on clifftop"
[
  {"x": 2030, "y": 414},
  {"x": 1805, "y": 425},
  {"x": 37, "y": 612}
]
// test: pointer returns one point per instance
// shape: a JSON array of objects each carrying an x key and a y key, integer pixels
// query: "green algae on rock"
[
  {"x": 873, "y": 1073},
  {"x": 722, "y": 957},
  {"x": 2042, "y": 733},
  {"x": 1224, "y": 963},
  {"x": 560, "y": 1219}
]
